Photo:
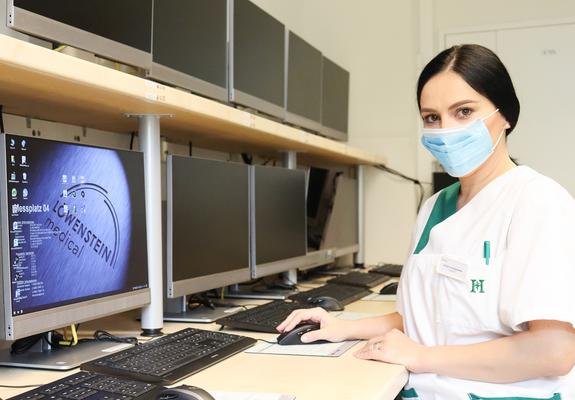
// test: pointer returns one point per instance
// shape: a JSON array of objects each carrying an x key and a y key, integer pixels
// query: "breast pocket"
[{"x": 468, "y": 302}]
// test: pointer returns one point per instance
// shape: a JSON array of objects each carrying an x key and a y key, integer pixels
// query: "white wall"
[{"x": 377, "y": 42}]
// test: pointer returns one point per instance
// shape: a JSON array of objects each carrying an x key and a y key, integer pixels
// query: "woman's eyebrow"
[{"x": 454, "y": 105}]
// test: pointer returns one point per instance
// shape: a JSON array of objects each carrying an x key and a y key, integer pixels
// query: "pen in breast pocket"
[{"x": 487, "y": 251}]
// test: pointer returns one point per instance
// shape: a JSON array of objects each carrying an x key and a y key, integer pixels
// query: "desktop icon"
[
  {"x": 25, "y": 193},
  {"x": 64, "y": 178},
  {"x": 73, "y": 178},
  {"x": 16, "y": 225},
  {"x": 12, "y": 143},
  {"x": 13, "y": 176},
  {"x": 23, "y": 143},
  {"x": 65, "y": 208},
  {"x": 16, "y": 242},
  {"x": 24, "y": 176},
  {"x": 24, "y": 160},
  {"x": 13, "y": 159},
  {"x": 14, "y": 193},
  {"x": 64, "y": 193}
]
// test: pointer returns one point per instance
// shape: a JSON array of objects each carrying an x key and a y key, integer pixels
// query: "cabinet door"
[{"x": 541, "y": 61}]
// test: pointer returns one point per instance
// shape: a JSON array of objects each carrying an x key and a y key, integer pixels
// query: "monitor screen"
[
  {"x": 208, "y": 224},
  {"x": 258, "y": 59},
  {"x": 341, "y": 228},
  {"x": 280, "y": 214},
  {"x": 190, "y": 37},
  {"x": 303, "y": 83},
  {"x": 335, "y": 100},
  {"x": 75, "y": 221},
  {"x": 127, "y": 22}
]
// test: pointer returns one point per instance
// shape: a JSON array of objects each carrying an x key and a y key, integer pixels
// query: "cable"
[
  {"x": 247, "y": 158},
  {"x": 1, "y": 119},
  {"x": 107, "y": 336},
  {"x": 190, "y": 147},
  {"x": 21, "y": 386},
  {"x": 417, "y": 182},
  {"x": 74, "y": 340},
  {"x": 132, "y": 140},
  {"x": 267, "y": 341}
]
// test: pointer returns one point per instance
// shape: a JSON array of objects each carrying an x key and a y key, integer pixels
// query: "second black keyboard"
[
  {"x": 171, "y": 357},
  {"x": 388, "y": 269},
  {"x": 92, "y": 386},
  {"x": 343, "y": 293},
  {"x": 361, "y": 279},
  {"x": 263, "y": 318}
]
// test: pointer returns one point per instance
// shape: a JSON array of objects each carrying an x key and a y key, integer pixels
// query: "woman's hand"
[
  {"x": 331, "y": 328},
  {"x": 394, "y": 347}
]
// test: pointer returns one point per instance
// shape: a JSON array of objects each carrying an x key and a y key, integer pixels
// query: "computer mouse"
[
  {"x": 326, "y": 302},
  {"x": 294, "y": 336},
  {"x": 184, "y": 392},
  {"x": 390, "y": 288}
]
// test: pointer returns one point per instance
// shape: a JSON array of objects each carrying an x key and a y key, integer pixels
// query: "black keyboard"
[
  {"x": 171, "y": 357},
  {"x": 342, "y": 293},
  {"x": 361, "y": 279},
  {"x": 388, "y": 269},
  {"x": 263, "y": 318},
  {"x": 92, "y": 386}
]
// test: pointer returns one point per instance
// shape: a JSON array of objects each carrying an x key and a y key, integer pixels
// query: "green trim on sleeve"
[
  {"x": 409, "y": 394},
  {"x": 445, "y": 206}
]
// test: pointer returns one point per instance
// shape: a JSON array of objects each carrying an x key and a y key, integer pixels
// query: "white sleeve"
[{"x": 538, "y": 273}]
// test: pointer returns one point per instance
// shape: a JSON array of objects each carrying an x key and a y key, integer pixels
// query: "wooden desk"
[{"x": 309, "y": 378}]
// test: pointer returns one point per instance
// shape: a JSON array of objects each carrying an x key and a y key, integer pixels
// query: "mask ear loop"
[
  {"x": 489, "y": 115},
  {"x": 498, "y": 140}
]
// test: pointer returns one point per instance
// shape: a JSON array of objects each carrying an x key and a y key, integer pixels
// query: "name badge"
[{"x": 453, "y": 269}]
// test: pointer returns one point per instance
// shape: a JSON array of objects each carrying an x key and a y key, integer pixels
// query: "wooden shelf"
[{"x": 42, "y": 83}]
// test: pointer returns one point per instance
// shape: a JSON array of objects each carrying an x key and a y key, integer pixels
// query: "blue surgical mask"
[{"x": 463, "y": 149}]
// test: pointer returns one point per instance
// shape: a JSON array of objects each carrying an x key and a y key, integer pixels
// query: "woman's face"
[{"x": 447, "y": 101}]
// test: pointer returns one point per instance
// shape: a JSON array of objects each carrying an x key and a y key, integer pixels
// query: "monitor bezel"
[
  {"x": 199, "y": 284},
  {"x": 46, "y": 28},
  {"x": 19, "y": 326},
  {"x": 239, "y": 97}
]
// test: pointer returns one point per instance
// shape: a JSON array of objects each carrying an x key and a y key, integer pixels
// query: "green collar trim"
[{"x": 444, "y": 207}]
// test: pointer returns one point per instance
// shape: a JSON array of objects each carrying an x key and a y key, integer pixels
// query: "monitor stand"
[
  {"x": 176, "y": 310},
  {"x": 260, "y": 292},
  {"x": 44, "y": 356}
]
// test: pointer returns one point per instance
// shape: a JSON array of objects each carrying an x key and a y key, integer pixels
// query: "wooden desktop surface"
[{"x": 306, "y": 377}]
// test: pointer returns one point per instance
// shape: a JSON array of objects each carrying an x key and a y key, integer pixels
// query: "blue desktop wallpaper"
[{"x": 77, "y": 222}]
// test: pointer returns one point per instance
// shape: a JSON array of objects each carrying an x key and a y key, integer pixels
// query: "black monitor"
[
  {"x": 121, "y": 30},
  {"x": 190, "y": 45},
  {"x": 73, "y": 237},
  {"x": 257, "y": 59},
  {"x": 279, "y": 226},
  {"x": 303, "y": 83},
  {"x": 341, "y": 230},
  {"x": 208, "y": 230},
  {"x": 335, "y": 100}
]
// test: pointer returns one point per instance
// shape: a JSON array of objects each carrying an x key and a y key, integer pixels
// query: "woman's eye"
[
  {"x": 464, "y": 112},
  {"x": 430, "y": 118}
]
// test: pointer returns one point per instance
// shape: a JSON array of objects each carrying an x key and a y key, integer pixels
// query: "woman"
[{"x": 486, "y": 301}]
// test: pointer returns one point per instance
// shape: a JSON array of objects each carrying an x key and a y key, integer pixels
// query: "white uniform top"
[{"x": 448, "y": 295}]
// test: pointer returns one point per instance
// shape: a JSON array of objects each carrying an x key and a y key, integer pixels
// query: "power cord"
[
  {"x": 107, "y": 336},
  {"x": 417, "y": 182}
]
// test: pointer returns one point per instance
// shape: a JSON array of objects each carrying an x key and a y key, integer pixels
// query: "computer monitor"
[
  {"x": 120, "y": 31},
  {"x": 341, "y": 228},
  {"x": 335, "y": 100},
  {"x": 208, "y": 228},
  {"x": 279, "y": 225},
  {"x": 319, "y": 199},
  {"x": 303, "y": 83},
  {"x": 257, "y": 59},
  {"x": 73, "y": 238},
  {"x": 190, "y": 45}
]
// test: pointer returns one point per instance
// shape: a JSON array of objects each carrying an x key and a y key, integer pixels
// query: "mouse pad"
[
  {"x": 317, "y": 350},
  {"x": 380, "y": 297}
]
